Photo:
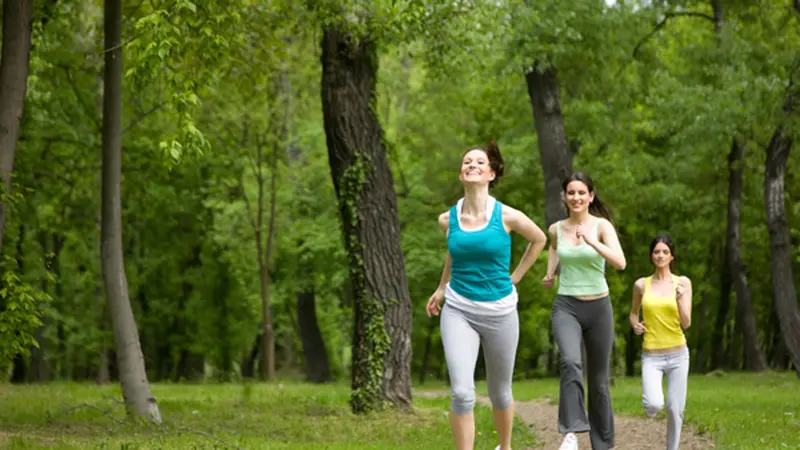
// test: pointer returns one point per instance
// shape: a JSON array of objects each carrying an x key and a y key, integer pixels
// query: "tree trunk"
[
  {"x": 700, "y": 352},
  {"x": 264, "y": 256},
  {"x": 777, "y": 354},
  {"x": 719, "y": 17},
  {"x": 718, "y": 341},
  {"x": 317, "y": 367},
  {"x": 139, "y": 399},
  {"x": 745, "y": 319},
  {"x": 780, "y": 249},
  {"x": 102, "y": 373},
  {"x": 545, "y": 97},
  {"x": 17, "y": 23},
  {"x": 368, "y": 208},
  {"x": 267, "y": 332},
  {"x": 250, "y": 360}
]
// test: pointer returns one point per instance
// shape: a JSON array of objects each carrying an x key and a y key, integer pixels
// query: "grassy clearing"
[
  {"x": 740, "y": 411},
  {"x": 288, "y": 416}
]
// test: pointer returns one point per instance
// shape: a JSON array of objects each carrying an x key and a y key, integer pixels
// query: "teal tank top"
[
  {"x": 583, "y": 270},
  {"x": 480, "y": 258}
]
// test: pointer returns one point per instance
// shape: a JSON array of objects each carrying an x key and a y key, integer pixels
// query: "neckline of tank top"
[
  {"x": 583, "y": 242},
  {"x": 490, "y": 205},
  {"x": 649, "y": 287}
]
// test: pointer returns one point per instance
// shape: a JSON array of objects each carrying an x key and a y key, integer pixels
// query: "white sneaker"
[{"x": 570, "y": 442}]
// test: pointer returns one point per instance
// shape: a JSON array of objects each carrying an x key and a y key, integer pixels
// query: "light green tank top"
[{"x": 582, "y": 268}]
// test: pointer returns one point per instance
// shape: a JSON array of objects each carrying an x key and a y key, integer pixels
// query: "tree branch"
[
  {"x": 89, "y": 112},
  {"x": 661, "y": 24},
  {"x": 143, "y": 116},
  {"x": 248, "y": 206}
]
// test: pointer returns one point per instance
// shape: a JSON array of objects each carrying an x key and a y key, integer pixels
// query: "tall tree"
[
  {"x": 264, "y": 252},
  {"x": 139, "y": 400},
  {"x": 545, "y": 96},
  {"x": 745, "y": 319},
  {"x": 316, "y": 354},
  {"x": 368, "y": 208},
  {"x": 777, "y": 155},
  {"x": 14, "y": 62},
  {"x": 734, "y": 271}
]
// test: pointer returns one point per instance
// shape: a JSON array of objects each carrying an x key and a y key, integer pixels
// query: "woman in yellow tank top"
[{"x": 666, "y": 303}]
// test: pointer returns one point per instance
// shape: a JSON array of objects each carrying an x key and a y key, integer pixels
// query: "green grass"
[
  {"x": 211, "y": 416},
  {"x": 739, "y": 411}
]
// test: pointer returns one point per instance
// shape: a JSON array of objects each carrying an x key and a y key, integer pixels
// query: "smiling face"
[
  {"x": 475, "y": 168},
  {"x": 577, "y": 196},
  {"x": 661, "y": 255}
]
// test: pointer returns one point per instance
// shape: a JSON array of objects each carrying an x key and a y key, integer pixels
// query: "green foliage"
[
  {"x": 180, "y": 43},
  {"x": 20, "y": 314},
  {"x": 209, "y": 86}
]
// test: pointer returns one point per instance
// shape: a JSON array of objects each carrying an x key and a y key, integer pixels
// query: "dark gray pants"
[{"x": 592, "y": 320}]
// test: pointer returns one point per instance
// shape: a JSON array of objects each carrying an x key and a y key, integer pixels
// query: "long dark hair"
[
  {"x": 495, "y": 160},
  {"x": 597, "y": 207},
  {"x": 666, "y": 240}
]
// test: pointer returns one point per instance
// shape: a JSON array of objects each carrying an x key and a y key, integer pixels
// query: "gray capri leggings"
[{"x": 462, "y": 334}]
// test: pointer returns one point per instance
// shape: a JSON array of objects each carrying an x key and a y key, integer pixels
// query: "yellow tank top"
[{"x": 661, "y": 318}]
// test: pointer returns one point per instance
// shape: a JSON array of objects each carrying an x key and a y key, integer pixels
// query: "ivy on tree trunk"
[{"x": 368, "y": 208}]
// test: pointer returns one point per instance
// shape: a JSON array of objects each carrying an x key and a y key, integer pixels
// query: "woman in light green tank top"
[{"x": 581, "y": 245}]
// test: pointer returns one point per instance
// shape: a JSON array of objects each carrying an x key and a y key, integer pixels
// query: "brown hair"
[
  {"x": 597, "y": 207},
  {"x": 495, "y": 160}
]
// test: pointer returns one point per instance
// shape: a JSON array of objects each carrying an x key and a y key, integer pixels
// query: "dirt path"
[{"x": 632, "y": 433}]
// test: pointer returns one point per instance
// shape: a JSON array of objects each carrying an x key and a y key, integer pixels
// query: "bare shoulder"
[
  {"x": 444, "y": 220},
  {"x": 639, "y": 284},
  {"x": 684, "y": 281},
  {"x": 553, "y": 228},
  {"x": 509, "y": 211},
  {"x": 512, "y": 215},
  {"x": 605, "y": 225}
]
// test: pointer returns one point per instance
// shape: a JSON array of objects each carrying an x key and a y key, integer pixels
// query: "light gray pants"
[
  {"x": 676, "y": 367},
  {"x": 462, "y": 335}
]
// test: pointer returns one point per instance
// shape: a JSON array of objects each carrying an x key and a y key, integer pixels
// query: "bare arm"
[
  {"x": 684, "y": 299},
  {"x": 608, "y": 245},
  {"x": 445, "y": 273},
  {"x": 433, "y": 307},
  {"x": 552, "y": 251},
  {"x": 444, "y": 221},
  {"x": 552, "y": 257},
  {"x": 638, "y": 291},
  {"x": 520, "y": 223}
]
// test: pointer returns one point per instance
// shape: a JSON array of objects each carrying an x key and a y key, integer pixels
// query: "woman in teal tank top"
[
  {"x": 480, "y": 293},
  {"x": 581, "y": 245}
]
